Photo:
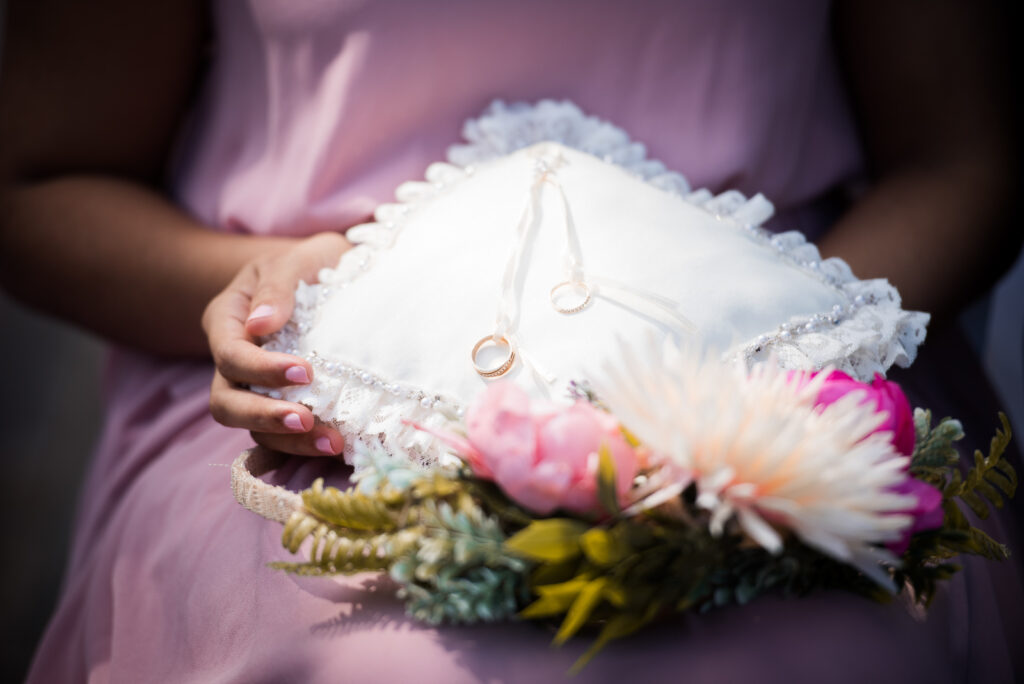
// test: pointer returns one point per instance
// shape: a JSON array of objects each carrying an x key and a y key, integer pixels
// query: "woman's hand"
[{"x": 259, "y": 302}]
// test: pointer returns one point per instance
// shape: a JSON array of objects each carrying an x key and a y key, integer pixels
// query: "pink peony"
[
  {"x": 887, "y": 397},
  {"x": 544, "y": 459}
]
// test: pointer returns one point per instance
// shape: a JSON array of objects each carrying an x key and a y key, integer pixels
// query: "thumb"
[
  {"x": 274, "y": 292},
  {"x": 273, "y": 299}
]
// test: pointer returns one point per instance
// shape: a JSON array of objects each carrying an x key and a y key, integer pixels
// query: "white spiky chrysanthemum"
[{"x": 762, "y": 454}]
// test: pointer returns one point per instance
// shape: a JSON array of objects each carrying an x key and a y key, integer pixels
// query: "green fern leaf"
[
  {"x": 975, "y": 503},
  {"x": 302, "y": 569},
  {"x": 934, "y": 446},
  {"x": 299, "y": 526},
  {"x": 989, "y": 475},
  {"x": 1004, "y": 478},
  {"x": 350, "y": 509},
  {"x": 987, "y": 547}
]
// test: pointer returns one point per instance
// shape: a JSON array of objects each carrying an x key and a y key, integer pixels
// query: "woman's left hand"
[{"x": 258, "y": 302}]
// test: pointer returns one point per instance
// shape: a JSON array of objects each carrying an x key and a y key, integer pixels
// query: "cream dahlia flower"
[{"x": 762, "y": 455}]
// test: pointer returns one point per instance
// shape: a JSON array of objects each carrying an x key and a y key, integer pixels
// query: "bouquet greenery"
[{"x": 689, "y": 485}]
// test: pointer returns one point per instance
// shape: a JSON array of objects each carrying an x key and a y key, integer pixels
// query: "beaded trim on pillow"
[{"x": 867, "y": 335}]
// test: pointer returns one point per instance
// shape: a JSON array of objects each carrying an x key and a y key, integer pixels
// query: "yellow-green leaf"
[
  {"x": 553, "y": 573},
  {"x": 630, "y": 437},
  {"x": 580, "y": 610},
  {"x": 555, "y": 599},
  {"x": 606, "y": 481},
  {"x": 617, "y": 627},
  {"x": 553, "y": 540},
  {"x": 569, "y": 588},
  {"x": 615, "y": 594},
  {"x": 603, "y": 547}
]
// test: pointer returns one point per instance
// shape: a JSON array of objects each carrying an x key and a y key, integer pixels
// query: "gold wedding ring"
[
  {"x": 503, "y": 367},
  {"x": 569, "y": 284}
]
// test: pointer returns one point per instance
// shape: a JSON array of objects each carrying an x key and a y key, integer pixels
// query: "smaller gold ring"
[
  {"x": 499, "y": 370},
  {"x": 570, "y": 309}
]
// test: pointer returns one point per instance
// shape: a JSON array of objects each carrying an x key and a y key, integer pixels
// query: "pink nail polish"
[
  {"x": 324, "y": 445},
  {"x": 261, "y": 311},
  {"x": 293, "y": 421},
  {"x": 298, "y": 375}
]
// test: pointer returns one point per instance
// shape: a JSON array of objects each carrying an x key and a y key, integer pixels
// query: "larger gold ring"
[
  {"x": 505, "y": 365},
  {"x": 582, "y": 286}
]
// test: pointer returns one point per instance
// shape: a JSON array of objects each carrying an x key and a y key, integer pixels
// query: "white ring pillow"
[{"x": 542, "y": 195}]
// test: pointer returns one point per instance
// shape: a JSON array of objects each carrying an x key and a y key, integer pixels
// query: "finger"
[
  {"x": 320, "y": 441},
  {"x": 244, "y": 363},
  {"x": 239, "y": 359},
  {"x": 239, "y": 408}
]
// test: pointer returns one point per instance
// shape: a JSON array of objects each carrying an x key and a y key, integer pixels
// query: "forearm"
[
  {"x": 118, "y": 259},
  {"x": 929, "y": 84},
  {"x": 942, "y": 232}
]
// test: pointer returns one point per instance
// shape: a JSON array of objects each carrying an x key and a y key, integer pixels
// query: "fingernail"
[
  {"x": 261, "y": 311},
  {"x": 297, "y": 374},
  {"x": 293, "y": 421},
  {"x": 324, "y": 446}
]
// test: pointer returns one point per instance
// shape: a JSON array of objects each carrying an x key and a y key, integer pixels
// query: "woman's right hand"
[{"x": 259, "y": 302}]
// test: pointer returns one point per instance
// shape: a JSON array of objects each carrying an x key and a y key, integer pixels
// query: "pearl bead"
[
  {"x": 858, "y": 300},
  {"x": 366, "y": 378},
  {"x": 427, "y": 402},
  {"x": 785, "y": 335}
]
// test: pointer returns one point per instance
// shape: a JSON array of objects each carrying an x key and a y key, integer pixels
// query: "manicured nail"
[
  {"x": 261, "y": 311},
  {"x": 293, "y": 421},
  {"x": 324, "y": 446},
  {"x": 298, "y": 375}
]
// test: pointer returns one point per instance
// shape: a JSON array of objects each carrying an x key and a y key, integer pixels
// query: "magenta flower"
[
  {"x": 927, "y": 512},
  {"x": 887, "y": 397}
]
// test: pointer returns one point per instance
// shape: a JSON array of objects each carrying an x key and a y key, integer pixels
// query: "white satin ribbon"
[{"x": 650, "y": 305}]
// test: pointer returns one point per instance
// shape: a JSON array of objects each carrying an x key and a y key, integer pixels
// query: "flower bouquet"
[{"x": 677, "y": 483}]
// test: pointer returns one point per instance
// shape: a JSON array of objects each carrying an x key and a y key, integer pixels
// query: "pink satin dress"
[{"x": 313, "y": 112}]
